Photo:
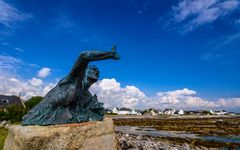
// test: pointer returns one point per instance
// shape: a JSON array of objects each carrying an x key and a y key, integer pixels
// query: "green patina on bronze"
[{"x": 70, "y": 100}]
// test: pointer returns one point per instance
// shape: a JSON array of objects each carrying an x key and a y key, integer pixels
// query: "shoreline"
[{"x": 218, "y": 127}]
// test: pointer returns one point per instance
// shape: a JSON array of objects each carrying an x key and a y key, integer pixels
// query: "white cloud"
[
  {"x": 19, "y": 49},
  {"x": 65, "y": 22},
  {"x": 112, "y": 94},
  {"x": 184, "y": 98},
  {"x": 173, "y": 97},
  {"x": 13, "y": 84},
  {"x": 9, "y": 15},
  {"x": 27, "y": 89},
  {"x": 211, "y": 56},
  {"x": 35, "y": 81},
  {"x": 191, "y": 14},
  {"x": 187, "y": 99},
  {"x": 230, "y": 102},
  {"x": 229, "y": 39},
  {"x": 9, "y": 64},
  {"x": 62, "y": 24},
  {"x": 14, "y": 80},
  {"x": 44, "y": 72},
  {"x": 13, "y": 66}
]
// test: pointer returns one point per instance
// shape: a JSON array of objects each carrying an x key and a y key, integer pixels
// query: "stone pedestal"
[{"x": 97, "y": 135}]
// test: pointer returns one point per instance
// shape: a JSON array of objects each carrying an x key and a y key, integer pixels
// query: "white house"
[
  {"x": 160, "y": 112},
  {"x": 108, "y": 111},
  {"x": 153, "y": 112},
  {"x": 125, "y": 111},
  {"x": 181, "y": 112},
  {"x": 169, "y": 111},
  {"x": 222, "y": 112},
  {"x": 211, "y": 112},
  {"x": 115, "y": 110}
]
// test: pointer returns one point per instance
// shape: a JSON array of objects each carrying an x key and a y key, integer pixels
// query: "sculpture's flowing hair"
[{"x": 92, "y": 67}]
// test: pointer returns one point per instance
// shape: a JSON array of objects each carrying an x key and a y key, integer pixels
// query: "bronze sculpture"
[{"x": 70, "y": 101}]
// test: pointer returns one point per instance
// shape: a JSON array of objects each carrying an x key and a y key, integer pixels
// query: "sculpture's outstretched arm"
[{"x": 83, "y": 60}]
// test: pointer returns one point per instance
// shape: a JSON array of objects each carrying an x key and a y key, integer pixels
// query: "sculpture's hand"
[{"x": 115, "y": 54}]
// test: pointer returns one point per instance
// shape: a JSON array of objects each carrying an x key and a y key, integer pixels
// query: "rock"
[
  {"x": 85, "y": 136},
  {"x": 186, "y": 146},
  {"x": 139, "y": 137},
  {"x": 5, "y": 124},
  {"x": 173, "y": 148}
]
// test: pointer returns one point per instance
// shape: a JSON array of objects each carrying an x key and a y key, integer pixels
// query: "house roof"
[
  {"x": 9, "y": 100},
  {"x": 116, "y": 108},
  {"x": 125, "y": 109}
]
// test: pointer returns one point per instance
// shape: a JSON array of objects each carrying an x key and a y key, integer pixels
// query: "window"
[{"x": 5, "y": 100}]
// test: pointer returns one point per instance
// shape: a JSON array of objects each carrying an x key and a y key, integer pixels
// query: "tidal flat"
[{"x": 197, "y": 132}]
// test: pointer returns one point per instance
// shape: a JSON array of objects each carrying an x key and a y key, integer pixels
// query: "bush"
[
  {"x": 206, "y": 112},
  {"x": 14, "y": 113}
]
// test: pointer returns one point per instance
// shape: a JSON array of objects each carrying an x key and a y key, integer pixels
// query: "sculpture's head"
[{"x": 91, "y": 75}]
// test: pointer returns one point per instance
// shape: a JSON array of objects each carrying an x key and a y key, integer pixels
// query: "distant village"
[
  {"x": 169, "y": 111},
  {"x": 16, "y": 100}
]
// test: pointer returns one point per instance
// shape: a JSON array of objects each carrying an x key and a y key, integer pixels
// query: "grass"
[{"x": 3, "y": 135}]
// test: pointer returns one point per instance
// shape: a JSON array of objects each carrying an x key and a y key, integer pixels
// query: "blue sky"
[{"x": 164, "y": 45}]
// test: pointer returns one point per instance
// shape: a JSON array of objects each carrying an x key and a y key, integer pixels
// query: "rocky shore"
[
  {"x": 182, "y": 133},
  {"x": 134, "y": 142},
  {"x": 202, "y": 125},
  {"x": 139, "y": 142}
]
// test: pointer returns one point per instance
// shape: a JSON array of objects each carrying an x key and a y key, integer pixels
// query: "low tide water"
[{"x": 149, "y": 131}]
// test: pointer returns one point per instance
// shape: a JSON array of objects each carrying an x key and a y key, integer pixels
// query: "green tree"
[
  {"x": 33, "y": 101},
  {"x": 206, "y": 112}
]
